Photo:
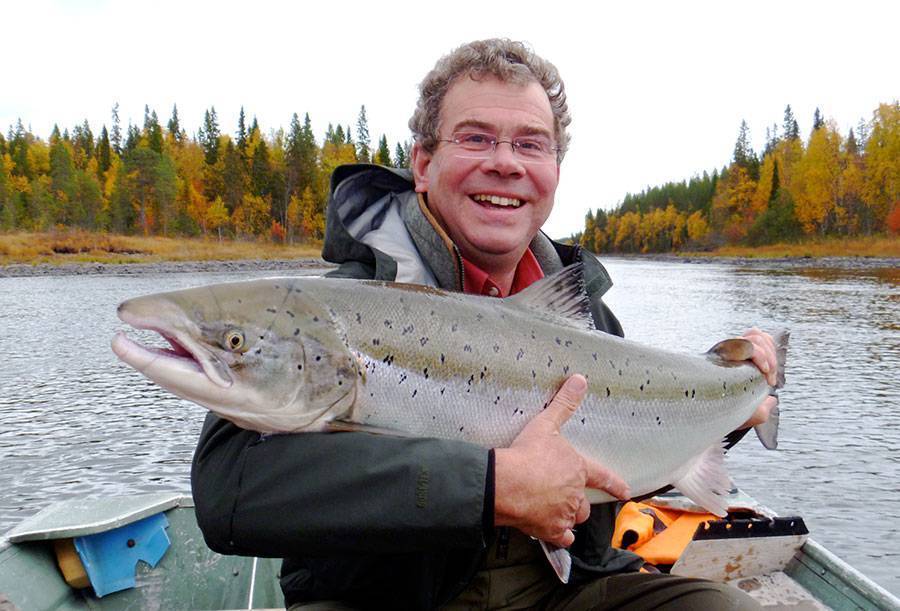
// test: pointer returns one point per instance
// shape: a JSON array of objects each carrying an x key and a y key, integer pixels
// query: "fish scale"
[{"x": 320, "y": 354}]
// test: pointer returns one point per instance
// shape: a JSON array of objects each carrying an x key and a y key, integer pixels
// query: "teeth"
[{"x": 497, "y": 200}]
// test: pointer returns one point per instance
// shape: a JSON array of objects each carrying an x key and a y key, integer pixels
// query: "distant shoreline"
[{"x": 25, "y": 270}]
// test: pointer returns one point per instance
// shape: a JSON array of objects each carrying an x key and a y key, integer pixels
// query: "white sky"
[{"x": 657, "y": 90}]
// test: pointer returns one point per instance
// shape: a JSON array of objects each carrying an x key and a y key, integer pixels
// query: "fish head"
[{"x": 264, "y": 354}]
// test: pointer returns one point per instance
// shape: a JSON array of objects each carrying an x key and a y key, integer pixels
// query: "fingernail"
[{"x": 577, "y": 383}]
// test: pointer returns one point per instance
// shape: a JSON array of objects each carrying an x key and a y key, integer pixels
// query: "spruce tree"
[
  {"x": 790, "y": 128},
  {"x": 174, "y": 126},
  {"x": 400, "y": 160},
  {"x": 116, "y": 137},
  {"x": 363, "y": 143},
  {"x": 242, "y": 135},
  {"x": 383, "y": 154},
  {"x": 818, "y": 121},
  {"x": 208, "y": 136},
  {"x": 104, "y": 154},
  {"x": 154, "y": 134}
]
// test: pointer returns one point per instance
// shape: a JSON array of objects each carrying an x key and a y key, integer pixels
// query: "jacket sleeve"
[{"x": 330, "y": 493}]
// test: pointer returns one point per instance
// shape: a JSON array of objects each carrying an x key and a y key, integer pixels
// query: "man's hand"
[
  {"x": 765, "y": 359},
  {"x": 540, "y": 478}
]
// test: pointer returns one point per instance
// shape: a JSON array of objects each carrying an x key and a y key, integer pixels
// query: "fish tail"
[{"x": 781, "y": 345}]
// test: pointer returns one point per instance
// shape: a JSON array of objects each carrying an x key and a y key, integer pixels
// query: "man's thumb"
[{"x": 566, "y": 400}]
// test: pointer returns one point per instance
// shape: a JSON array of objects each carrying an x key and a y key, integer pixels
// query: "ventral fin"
[
  {"x": 559, "y": 299},
  {"x": 768, "y": 430},
  {"x": 559, "y": 559},
  {"x": 706, "y": 482},
  {"x": 732, "y": 350}
]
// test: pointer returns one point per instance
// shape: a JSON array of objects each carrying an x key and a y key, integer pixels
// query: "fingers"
[
  {"x": 762, "y": 412},
  {"x": 764, "y": 354},
  {"x": 584, "y": 511},
  {"x": 601, "y": 478},
  {"x": 565, "y": 402}
]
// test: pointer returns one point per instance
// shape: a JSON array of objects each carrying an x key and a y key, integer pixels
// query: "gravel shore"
[{"x": 184, "y": 267}]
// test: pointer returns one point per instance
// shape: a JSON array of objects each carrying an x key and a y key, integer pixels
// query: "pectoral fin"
[
  {"x": 768, "y": 430},
  {"x": 705, "y": 481}
]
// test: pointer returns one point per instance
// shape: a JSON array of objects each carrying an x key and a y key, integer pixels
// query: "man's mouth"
[{"x": 497, "y": 200}]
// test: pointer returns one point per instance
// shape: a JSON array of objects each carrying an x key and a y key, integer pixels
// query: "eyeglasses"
[{"x": 528, "y": 149}]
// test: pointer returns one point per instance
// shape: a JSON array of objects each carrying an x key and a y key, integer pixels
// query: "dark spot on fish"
[
  {"x": 565, "y": 370},
  {"x": 497, "y": 400},
  {"x": 549, "y": 360},
  {"x": 402, "y": 378},
  {"x": 724, "y": 387},
  {"x": 315, "y": 319},
  {"x": 289, "y": 313},
  {"x": 594, "y": 355},
  {"x": 261, "y": 337},
  {"x": 240, "y": 301},
  {"x": 658, "y": 421},
  {"x": 319, "y": 358},
  {"x": 272, "y": 310},
  {"x": 685, "y": 394},
  {"x": 520, "y": 354},
  {"x": 371, "y": 394},
  {"x": 408, "y": 329},
  {"x": 277, "y": 287},
  {"x": 442, "y": 391},
  {"x": 545, "y": 406},
  {"x": 423, "y": 341},
  {"x": 340, "y": 382},
  {"x": 620, "y": 372},
  {"x": 533, "y": 374},
  {"x": 414, "y": 392},
  {"x": 642, "y": 388},
  {"x": 376, "y": 342},
  {"x": 442, "y": 358},
  {"x": 358, "y": 317},
  {"x": 582, "y": 421},
  {"x": 496, "y": 348},
  {"x": 388, "y": 324},
  {"x": 632, "y": 414},
  {"x": 258, "y": 351},
  {"x": 296, "y": 332},
  {"x": 467, "y": 348},
  {"x": 558, "y": 342},
  {"x": 299, "y": 367},
  {"x": 425, "y": 372},
  {"x": 471, "y": 379},
  {"x": 608, "y": 392},
  {"x": 568, "y": 343},
  {"x": 479, "y": 316},
  {"x": 461, "y": 428},
  {"x": 693, "y": 392},
  {"x": 532, "y": 334},
  {"x": 453, "y": 327}
]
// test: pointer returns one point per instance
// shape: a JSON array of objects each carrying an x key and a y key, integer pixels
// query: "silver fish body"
[{"x": 300, "y": 354}]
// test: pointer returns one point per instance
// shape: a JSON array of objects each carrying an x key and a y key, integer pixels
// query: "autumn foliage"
[
  {"x": 155, "y": 180},
  {"x": 829, "y": 186}
]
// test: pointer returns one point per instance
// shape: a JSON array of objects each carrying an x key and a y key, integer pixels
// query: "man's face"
[{"x": 488, "y": 234}]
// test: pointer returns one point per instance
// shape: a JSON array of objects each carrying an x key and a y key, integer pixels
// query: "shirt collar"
[{"x": 478, "y": 282}]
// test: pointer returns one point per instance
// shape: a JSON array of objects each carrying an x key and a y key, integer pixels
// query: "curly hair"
[{"x": 507, "y": 60}]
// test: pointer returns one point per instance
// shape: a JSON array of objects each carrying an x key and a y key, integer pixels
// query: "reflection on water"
[
  {"x": 75, "y": 421},
  {"x": 838, "y": 462}
]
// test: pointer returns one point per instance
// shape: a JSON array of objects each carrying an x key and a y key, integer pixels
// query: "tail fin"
[{"x": 768, "y": 430}]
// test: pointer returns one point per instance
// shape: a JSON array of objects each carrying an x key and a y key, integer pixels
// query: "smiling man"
[{"x": 380, "y": 521}]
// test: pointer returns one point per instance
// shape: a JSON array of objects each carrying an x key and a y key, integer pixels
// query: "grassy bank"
[
  {"x": 86, "y": 247},
  {"x": 879, "y": 246}
]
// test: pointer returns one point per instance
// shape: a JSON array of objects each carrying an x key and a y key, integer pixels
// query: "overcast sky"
[{"x": 657, "y": 90}]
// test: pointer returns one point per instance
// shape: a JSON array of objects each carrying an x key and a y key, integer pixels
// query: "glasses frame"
[{"x": 492, "y": 141}]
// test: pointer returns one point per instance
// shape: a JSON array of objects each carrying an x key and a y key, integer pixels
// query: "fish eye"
[{"x": 234, "y": 340}]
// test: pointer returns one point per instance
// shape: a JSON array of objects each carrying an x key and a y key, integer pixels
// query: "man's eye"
[
  {"x": 474, "y": 139},
  {"x": 531, "y": 146}
]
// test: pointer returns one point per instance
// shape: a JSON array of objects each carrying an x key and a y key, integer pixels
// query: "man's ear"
[{"x": 419, "y": 165}]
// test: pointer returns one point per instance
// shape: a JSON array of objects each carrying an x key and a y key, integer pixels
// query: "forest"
[
  {"x": 155, "y": 180},
  {"x": 829, "y": 185}
]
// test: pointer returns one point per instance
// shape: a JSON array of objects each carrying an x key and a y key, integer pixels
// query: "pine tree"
[
  {"x": 338, "y": 135},
  {"x": 174, "y": 126},
  {"x": 400, "y": 160},
  {"x": 790, "y": 128},
  {"x": 383, "y": 154},
  {"x": 242, "y": 135},
  {"x": 133, "y": 138},
  {"x": 208, "y": 136},
  {"x": 104, "y": 154},
  {"x": 153, "y": 133},
  {"x": 116, "y": 137},
  {"x": 818, "y": 121},
  {"x": 363, "y": 144}
]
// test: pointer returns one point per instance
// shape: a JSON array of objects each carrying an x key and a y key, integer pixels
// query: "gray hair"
[{"x": 507, "y": 60}]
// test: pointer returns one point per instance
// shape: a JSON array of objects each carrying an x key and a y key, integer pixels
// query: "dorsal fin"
[{"x": 559, "y": 299}]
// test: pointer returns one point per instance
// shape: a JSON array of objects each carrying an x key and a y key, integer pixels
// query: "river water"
[{"x": 74, "y": 421}]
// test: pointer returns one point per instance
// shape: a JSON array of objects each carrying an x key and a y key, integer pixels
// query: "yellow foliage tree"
[
  {"x": 881, "y": 189},
  {"x": 252, "y": 217},
  {"x": 732, "y": 205},
  {"x": 697, "y": 228},
  {"x": 216, "y": 216},
  {"x": 816, "y": 187}
]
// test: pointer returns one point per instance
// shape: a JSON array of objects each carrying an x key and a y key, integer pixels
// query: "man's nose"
[{"x": 504, "y": 160}]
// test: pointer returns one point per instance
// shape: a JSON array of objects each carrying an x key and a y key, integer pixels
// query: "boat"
[{"x": 146, "y": 552}]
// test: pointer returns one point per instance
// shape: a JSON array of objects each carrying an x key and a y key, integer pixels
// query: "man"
[{"x": 490, "y": 131}]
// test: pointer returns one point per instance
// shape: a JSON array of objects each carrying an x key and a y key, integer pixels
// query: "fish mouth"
[{"x": 168, "y": 366}]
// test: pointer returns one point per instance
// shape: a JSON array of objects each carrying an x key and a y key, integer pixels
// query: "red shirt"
[{"x": 528, "y": 271}]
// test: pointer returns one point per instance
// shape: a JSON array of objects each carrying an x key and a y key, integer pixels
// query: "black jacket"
[{"x": 341, "y": 509}]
